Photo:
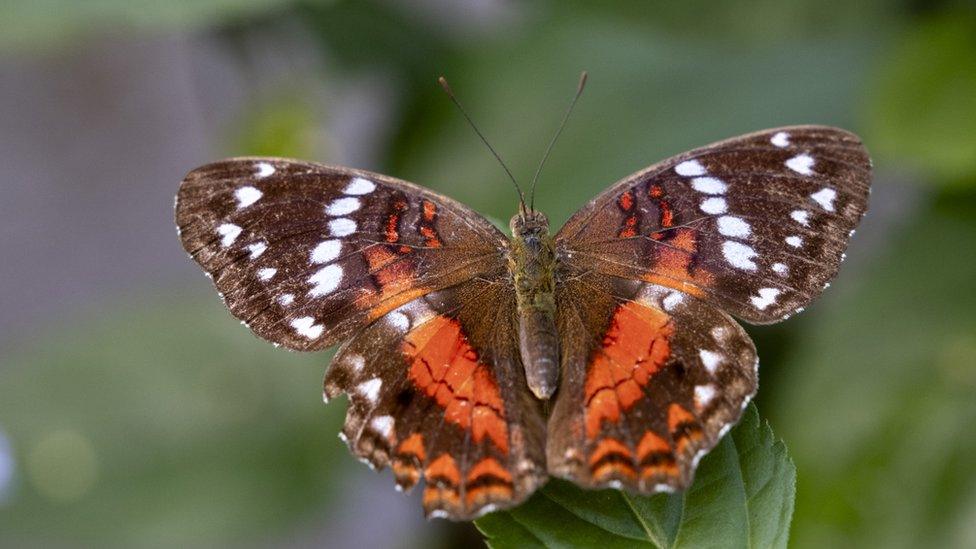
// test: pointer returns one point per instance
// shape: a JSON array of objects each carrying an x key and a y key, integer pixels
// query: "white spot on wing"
[
  {"x": 383, "y": 425},
  {"x": 704, "y": 395},
  {"x": 714, "y": 205},
  {"x": 247, "y": 196},
  {"x": 325, "y": 280},
  {"x": 257, "y": 249},
  {"x": 709, "y": 185},
  {"x": 356, "y": 363},
  {"x": 286, "y": 299},
  {"x": 801, "y": 164},
  {"x": 739, "y": 255},
  {"x": 360, "y": 185},
  {"x": 780, "y": 269},
  {"x": 326, "y": 251},
  {"x": 342, "y": 226},
  {"x": 264, "y": 169},
  {"x": 228, "y": 233},
  {"x": 781, "y": 139},
  {"x": 673, "y": 300},
  {"x": 266, "y": 273},
  {"x": 825, "y": 197},
  {"x": 343, "y": 206},
  {"x": 690, "y": 168},
  {"x": 801, "y": 216},
  {"x": 305, "y": 326},
  {"x": 733, "y": 226},
  {"x": 766, "y": 297},
  {"x": 399, "y": 321},
  {"x": 710, "y": 360},
  {"x": 794, "y": 241},
  {"x": 370, "y": 389}
]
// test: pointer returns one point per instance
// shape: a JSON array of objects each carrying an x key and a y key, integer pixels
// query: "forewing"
[
  {"x": 304, "y": 254},
  {"x": 652, "y": 379},
  {"x": 756, "y": 225},
  {"x": 437, "y": 392}
]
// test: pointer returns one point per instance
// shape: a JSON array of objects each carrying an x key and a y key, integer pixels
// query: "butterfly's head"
[{"x": 529, "y": 223}]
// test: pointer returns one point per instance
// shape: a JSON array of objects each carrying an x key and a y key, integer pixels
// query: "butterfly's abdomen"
[{"x": 532, "y": 263}]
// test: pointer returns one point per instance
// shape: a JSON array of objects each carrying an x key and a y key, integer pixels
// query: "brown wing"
[
  {"x": 756, "y": 225},
  {"x": 305, "y": 254},
  {"x": 437, "y": 392},
  {"x": 652, "y": 379}
]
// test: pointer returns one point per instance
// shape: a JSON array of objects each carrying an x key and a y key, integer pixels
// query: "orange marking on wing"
[
  {"x": 614, "y": 469},
  {"x": 395, "y": 279},
  {"x": 609, "y": 446},
  {"x": 443, "y": 468},
  {"x": 651, "y": 443},
  {"x": 431, "y": 237},
  {"x": 678, "y": 415},
  {"x": 446, "y": 368},
  {"x": 655, "y": 457},
  {"x": 480, "y": 495},
  {"x": 683, "y": 426},
  {"x": 407, "y": 474},
  {"x": 611, "y": 458},
  {"x": 667, "y": 215},
  {"x": 441, "y": 497},
  {"x": 413, "y": 446},
  {"x": 635, "y": 347},
  {"x": 488, "y": 481},
  {"x": 430, "y": 210},
  {"x": 393, "y": 221},
  {"x": 672, "y": 265},
  {"x": 630, "y": 228},
  {"x": 655, "y": 191},
  {"x": 489, "y": 466},
  {"x": 626, "y": 201},
  {"x": 443, "y": 479}
]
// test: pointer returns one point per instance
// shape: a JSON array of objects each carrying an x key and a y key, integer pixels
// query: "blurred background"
[{"x": 135, "y": 411}]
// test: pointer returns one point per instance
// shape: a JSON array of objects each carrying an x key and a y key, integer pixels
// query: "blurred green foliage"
[
  {"x": 165, "y": 424},
  {"x": 924, "y": 112},
  {"x": 168, "y": 422}
]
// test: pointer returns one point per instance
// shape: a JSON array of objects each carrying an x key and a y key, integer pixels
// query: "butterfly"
[{"x": 604, "y": 353}]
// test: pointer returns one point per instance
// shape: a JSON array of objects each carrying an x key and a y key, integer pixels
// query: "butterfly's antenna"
[
  {"x": 579, "y": 92},
  {"x": 443, "y": 82}
]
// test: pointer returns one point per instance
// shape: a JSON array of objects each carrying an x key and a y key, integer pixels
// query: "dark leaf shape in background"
[{"x": 742, "y": 497}]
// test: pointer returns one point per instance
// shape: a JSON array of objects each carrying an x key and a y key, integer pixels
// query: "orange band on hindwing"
[
  {"x": 445, "y": 367},
  {"x": 487, "y": 481},
  {"x": 611, "y": 458},
  {"x": 683, "y": 426},
  {"x": 635, "y": 347},
  {"x": 443, "y": 482}
]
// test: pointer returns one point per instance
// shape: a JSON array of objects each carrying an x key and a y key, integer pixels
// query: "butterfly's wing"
[
  {"x": 651, "y": 380},
  {"x": 305, "y": 254},
  {"x": 754, "y": 226},
  {"x": 437, "y": 392},
  {"x": 308, "y": 255}
]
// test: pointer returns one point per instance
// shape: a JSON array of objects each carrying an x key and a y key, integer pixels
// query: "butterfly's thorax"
[{"x": 533, "y": 263}]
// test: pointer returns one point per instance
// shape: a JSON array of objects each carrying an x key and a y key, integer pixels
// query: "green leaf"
[{"x": 742, "y": 497}]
